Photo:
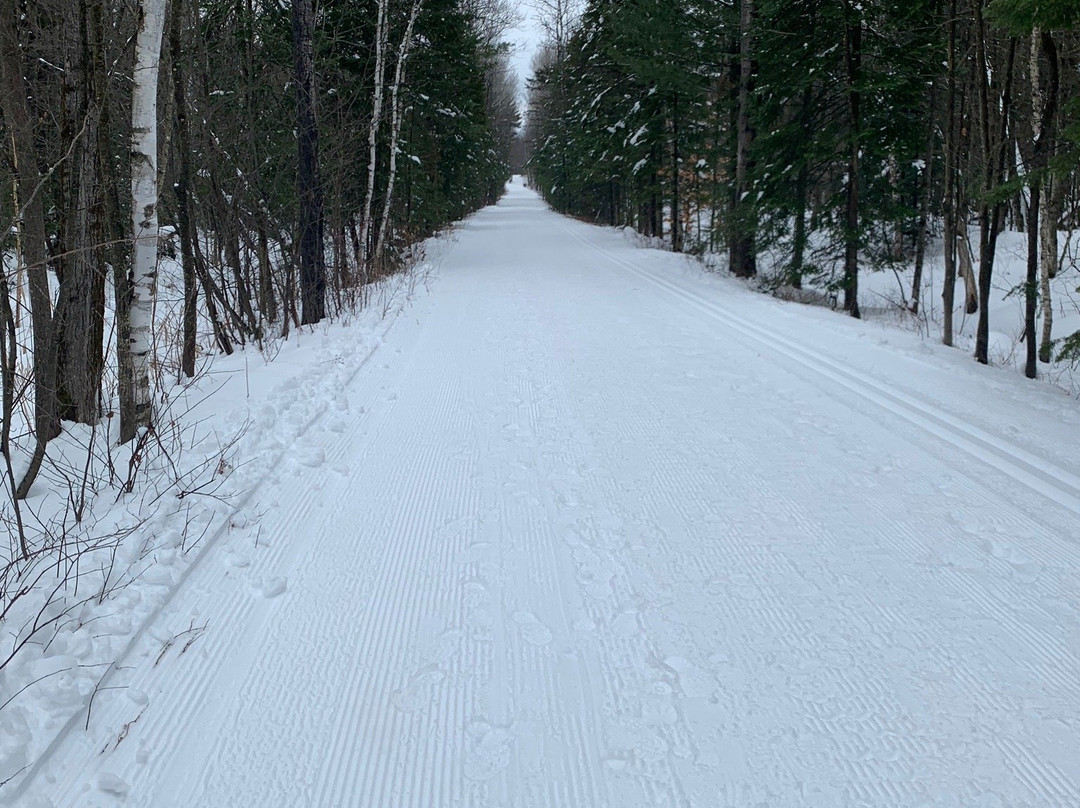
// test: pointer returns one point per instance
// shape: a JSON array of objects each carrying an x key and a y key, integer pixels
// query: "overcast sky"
[{"x": 526, "y": 39}]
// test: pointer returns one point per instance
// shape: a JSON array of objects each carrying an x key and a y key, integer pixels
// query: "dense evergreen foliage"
[{"x": 839, "y": 135}]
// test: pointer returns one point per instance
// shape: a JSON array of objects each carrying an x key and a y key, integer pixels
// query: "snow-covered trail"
[{"x": 592, "y": 530}]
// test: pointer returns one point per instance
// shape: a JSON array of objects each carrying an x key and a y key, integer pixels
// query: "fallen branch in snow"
[
  {"x": 194, "y": 631},
  {"x": 97, "y": 689},
  {"x": 126, "y": 729}
]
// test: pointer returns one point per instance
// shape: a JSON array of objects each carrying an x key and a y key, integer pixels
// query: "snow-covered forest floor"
[
  {"x": 885, "y": 296},
  {"x": 577, "y": 523}
]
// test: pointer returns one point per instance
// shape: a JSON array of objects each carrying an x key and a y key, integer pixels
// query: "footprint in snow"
[
  {"x": 584, "y": 625},
  {"x": 137, "y": 697},
  {"x": 476, "y": 552},
  {"x": 476, "y": 593},
  {"x": 272, "y": 587},
  {"x": 1021, "y": 562},
  {"x": 694, "y": 682},
  {"x": 312, "y": 457},
  {"x": 111, "y": 784},
  {"x": 489, "y": 751},
  {"x": 420, "y": 690},
  {"x": 532, "y": 630},
  {"x": 445, "y": 647},
  {"x": 657, "y": 710},
  {"x": 626, "y": 624},
  {"x": 618, "y": 763},
  {"x": 651, "y": 749}
]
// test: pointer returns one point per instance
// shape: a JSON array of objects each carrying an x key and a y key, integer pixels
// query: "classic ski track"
[
  {"x": 115, "y": 712},
  {"x": 806, "y": 361},
  {"x": 1004, "y": 451},
  {"x": 1008, "y": 448},
  {"x": 1041, "y": 777},
  {"x": 1035, "y": 472}
]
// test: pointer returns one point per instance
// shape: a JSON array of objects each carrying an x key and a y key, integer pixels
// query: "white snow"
[
  {"x": 111, "y": 784},
  {"x": 595, "y": 529}
]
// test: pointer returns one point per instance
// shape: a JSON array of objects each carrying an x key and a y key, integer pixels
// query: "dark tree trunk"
[
  {"x": 656, "y": 219},
  {"x": 990, "y": 212},
  {"x": 122, "y": 296},
  {"x": 9, "y": 348},
  {"x": 802, "y": 190},
  {"x": 676, "y": 202},
  {"x": 743, "y": 253},
  {"x": 267, "y": 301},
  {"x": 1031, "y": 283},
  {"x": 80, "y": 308},
  {"x": 312, "y": 268},
  {"x": 183, "y": 196},
  {"x": 20, "y": 129},
  {"x": 924, "y": 206},
  {"x": 948, "y": 202},
  {"x": 854, "y": 98},
  {"x": 230, "y": 234}
]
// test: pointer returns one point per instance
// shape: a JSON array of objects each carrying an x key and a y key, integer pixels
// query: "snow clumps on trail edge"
[{"x": 241, "y": 424}]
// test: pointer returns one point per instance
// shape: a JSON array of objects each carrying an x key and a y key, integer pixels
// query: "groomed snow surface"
[{"x": 592, "y": 529}]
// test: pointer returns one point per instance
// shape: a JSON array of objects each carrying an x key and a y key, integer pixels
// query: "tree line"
[
  {"x": 285, "y": 155},
  {"x": 842, "y": 135}
]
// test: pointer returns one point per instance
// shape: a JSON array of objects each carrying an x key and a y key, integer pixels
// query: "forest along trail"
[{"x": 593, "y": 530}]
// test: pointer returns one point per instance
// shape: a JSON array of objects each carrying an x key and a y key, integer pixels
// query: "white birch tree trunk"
[
  {"x": 381, "y": 35},
  {"x": 396, "y": 113},
  {"x": 1050, "y": 204},
  {"x": 1042, "y": 236},
  {"x": 1050, "y": 198},
  {"x": 144, "y": 200}
]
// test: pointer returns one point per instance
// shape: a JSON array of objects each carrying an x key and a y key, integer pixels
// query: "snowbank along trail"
[{"x": 593, "y": 530}]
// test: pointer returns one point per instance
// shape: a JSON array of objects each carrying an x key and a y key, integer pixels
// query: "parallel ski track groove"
[
  {"x": 1020, "y": 465},
  {"x": 399, "y": 597},
  {"x": 815, "y": 363},
  {"x": 1038, "y": 474},
  {"x": 599, "y": 496}
]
